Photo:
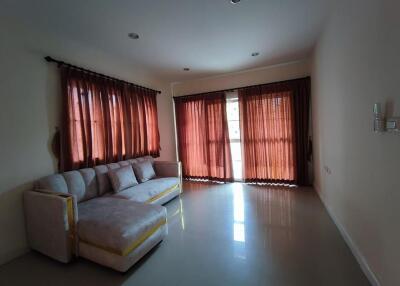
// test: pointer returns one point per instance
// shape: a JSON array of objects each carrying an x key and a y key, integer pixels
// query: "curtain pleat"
[
  {"x": 274, "y": 122},
  {"x": 203, "y": 137},
  {"x": 105, "y": 121}
]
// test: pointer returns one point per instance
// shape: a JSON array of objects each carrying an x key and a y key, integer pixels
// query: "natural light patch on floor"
[{"x": 238, "y": 213}]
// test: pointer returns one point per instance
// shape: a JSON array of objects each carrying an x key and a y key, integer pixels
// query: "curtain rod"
[
  {"x": 61, "y": 63},
  {"x": 237, "y": 88}
]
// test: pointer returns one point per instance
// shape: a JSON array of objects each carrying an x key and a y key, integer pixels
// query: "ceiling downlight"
[{"x": 133, "y": 36}]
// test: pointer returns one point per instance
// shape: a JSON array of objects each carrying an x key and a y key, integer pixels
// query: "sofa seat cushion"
[
  {"x": 149, "y": 191},
  {"x": 118, "y": 226}
]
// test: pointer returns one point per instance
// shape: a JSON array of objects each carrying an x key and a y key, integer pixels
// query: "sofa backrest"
[
  {"x": 81, "y": 183},
  {"x": 85, "y": 184}
]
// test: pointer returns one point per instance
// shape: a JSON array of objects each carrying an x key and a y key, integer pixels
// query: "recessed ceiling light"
[
  {"x": 186, "y": 69},
  {"x": 133, "y": 36},
  {"x": 235, "y": 1},
  {"x": 255, "y": 54}
]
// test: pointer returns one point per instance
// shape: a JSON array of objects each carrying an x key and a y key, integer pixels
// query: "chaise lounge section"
[{"x": 79, "y": 213}]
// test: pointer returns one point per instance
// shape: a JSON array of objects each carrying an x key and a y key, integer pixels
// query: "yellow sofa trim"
[
  {"x": 156, "y": 197},
  {"x": 71, "y": 223},
  {"x": 134, "y": 245}
]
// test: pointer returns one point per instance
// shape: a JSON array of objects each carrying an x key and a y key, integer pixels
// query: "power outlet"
[
  {"x": 393, "y": 124},
  {"x": 327, "y": 170}
]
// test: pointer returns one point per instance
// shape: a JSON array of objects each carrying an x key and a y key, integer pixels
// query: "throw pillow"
[
  {"x": 144, "y": 170},
  {"x": 122, "y": 178}
]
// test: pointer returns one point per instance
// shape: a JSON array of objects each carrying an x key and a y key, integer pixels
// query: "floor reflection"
[
  {"x": 276, "y": 208},
  {"x": 239, "y": 229},
  {"x": 176, "y": 214},
  {"x": 181, "y": 214},
  {"x": 238, "y": 214}
]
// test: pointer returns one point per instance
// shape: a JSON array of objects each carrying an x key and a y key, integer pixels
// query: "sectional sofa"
[{"x": 100, "y": 213}]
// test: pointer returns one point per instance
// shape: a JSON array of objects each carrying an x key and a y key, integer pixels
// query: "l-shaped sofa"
[{"x": 79, "y": 213}]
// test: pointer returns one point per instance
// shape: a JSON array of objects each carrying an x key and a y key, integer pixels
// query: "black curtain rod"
[
  {"x": 237, "y": 88},
  {"x": 61, "y": 63}
]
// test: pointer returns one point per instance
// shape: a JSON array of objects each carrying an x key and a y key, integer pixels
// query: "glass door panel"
[{"x": 232, "y": 110}]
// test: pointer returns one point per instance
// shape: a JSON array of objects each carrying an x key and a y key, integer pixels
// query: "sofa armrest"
[
  {"x": 51, "y": 223},
  {"x": 168, "y": 169}
]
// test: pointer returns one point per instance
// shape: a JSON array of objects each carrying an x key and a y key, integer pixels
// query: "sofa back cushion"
[
  {"x": 103, "y": 182},
  {"x": 54, "y": 183},
  {"x": 124, "y": 163},
  {"x": 141, "y": 159},
  {"x": 122, "y": 178},
  {"x": 82, "y": 184},
  {"x": 75, "y": 183},
  {"x": 87, "y": 183},
  {"x": 91, "y": 188},
  {"x": 144, "y": 171}
]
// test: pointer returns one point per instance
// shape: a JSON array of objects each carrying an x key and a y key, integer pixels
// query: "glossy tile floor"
[{"x": 231, "y": 234}]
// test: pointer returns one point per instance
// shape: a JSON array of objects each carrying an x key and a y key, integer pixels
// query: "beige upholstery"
[
  {"x": 122, "y": 263},
  {"x": 148, "y": 191},
  {"x": 112, "y": 166},
  {"x": 76, "y": 184},
  {"x": 78, "y": 208},
  {"x": 165, "y": 198},
  {"x": 50, "y": 224},
  {"x": 103, "y": 182},
  {"x": 122, "y": 178},
  {"x": 168, "y": 169},
  {"x": 124, "y": 163},
  {"x": 89, "y": 177},
  {"x": 55, "y": 183},
  {"x": 141, "y": 159},
  {"x": 118, "y": 225},
  {"x": 81, "y": 184},
  {"x": 144, "y": 171}
]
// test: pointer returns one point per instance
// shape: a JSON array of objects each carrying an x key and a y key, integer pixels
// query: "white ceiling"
[{"x": 209, "y": 36}]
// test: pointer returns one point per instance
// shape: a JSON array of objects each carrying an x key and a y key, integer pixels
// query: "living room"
[{"x": 252, "y": 142}]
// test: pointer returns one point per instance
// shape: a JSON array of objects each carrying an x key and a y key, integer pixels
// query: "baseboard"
[{"x": 353, "y": 247}]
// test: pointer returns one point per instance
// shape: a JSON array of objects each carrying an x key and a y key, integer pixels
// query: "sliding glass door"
[
  {"x": 256, "y": 134},
  {"x": 232, "y": 110}
]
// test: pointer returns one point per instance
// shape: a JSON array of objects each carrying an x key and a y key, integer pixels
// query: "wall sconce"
[{"x": 382, "y": 124}]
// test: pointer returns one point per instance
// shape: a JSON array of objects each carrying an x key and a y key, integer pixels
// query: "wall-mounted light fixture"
[
  {"x": 382, "y": 124},
  {"x": 379, "y": 121}
]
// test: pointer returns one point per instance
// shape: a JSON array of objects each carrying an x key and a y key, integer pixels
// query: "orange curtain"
[
  {"x": 105, "y": 121},
  {"x": 274, "y": 132},
  {"x": 203, "y": 137}
]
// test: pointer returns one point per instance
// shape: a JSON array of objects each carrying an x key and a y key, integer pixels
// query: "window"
[
  {"x": 105, "y": 121},
  {"x": 203, "y": 137},
  {"x": 232, "y": 110}
]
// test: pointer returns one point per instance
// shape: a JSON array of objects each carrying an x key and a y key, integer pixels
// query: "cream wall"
[
  {"x": 356, "y": 64},
  {"x": 29, "y": 112},
  {"x": 245, "y": 78},
  {"x": 166, "y": 123}
]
